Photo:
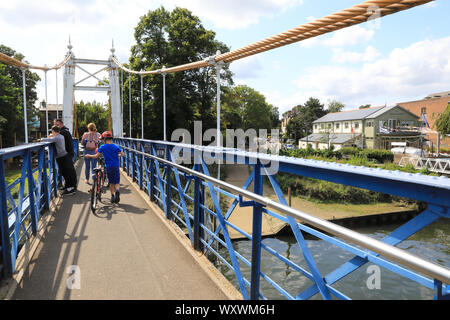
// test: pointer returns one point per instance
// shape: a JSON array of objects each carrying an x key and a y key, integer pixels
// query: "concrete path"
[{"x": 124, "y": 251}]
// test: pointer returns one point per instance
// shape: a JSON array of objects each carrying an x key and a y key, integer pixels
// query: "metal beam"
[
  {"x": 92, "y": 61},
  {"x": 88, "y": 88}
]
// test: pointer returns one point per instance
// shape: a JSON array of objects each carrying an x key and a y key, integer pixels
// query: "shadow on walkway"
[{"x": 124, "y": 251}]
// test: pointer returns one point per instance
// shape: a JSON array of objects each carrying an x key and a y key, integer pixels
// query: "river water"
[{"x": 431, "y": 243}]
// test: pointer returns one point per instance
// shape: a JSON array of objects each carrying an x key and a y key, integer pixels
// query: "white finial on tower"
[
  {"x": 70, "y": 45},
  {"x": 112, "y": 47}
]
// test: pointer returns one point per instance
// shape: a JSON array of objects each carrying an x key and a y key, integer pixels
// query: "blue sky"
[{"x": 401, "y": 57}]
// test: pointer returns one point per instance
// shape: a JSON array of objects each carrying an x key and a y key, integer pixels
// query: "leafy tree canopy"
[
  {"x": 335, "y": 106},
  {"x": 302, "y": 117},
  {"x": 246, "y": 108},
  {"x": 11, "y": 99},
  {"x": 442, "y": 124},
  {"x": 169, "y": 39}
]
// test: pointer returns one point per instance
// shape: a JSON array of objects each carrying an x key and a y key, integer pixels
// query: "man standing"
[
  {"x": 64, "y": 160},
  {"x": 64, "y": 131},
  {"x": 71, "y": 174}
]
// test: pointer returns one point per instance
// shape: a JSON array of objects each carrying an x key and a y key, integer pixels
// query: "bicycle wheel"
[
  {"x": 94, "y": 195},
  {"x": 99, "y": 186}
]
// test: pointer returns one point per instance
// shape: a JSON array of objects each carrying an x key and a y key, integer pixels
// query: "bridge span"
[
  {"x": 123, "y": 251},
  {"x": 157, "y": 243}
]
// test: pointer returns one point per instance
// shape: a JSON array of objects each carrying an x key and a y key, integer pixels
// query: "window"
[
  {"x": 329, "y": 126},
  {"x": 337, "y": 125},
  {"x": 346, "y": 125},
  {"x": 423, "y": 111},
  {"x": 356, "y": 125},
  {"x": 322, "y": 126},
  {"x": 315, "y": 126},
  {"x": 369, "y": 124}
]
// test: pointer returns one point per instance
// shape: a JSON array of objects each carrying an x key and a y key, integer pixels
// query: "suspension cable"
[
  {"x": 371, "y": 9},
  {"x": 20, "y": 64},
  {"x": 368, "y": 10}
]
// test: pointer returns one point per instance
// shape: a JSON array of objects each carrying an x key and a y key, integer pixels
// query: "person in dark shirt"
[
  {"x": 64, "y": 131},
  {"x": 111, "y": 152},
  {"x": 64, "y": 161}
]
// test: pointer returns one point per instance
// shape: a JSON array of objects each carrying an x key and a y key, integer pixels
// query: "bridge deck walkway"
[{"x": 125, "y": 251}]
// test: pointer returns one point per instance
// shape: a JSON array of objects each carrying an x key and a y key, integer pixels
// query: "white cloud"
[
  {"x": 370, "y": 54},
  {"x": 236, "y": 14},
  {"x": 40, "y": 29},
  {"x": 415, "y": 71},
  {"x": 341, "y": 38}
]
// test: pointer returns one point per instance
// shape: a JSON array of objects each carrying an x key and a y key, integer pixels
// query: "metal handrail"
[{"x": 418, "y": 264}]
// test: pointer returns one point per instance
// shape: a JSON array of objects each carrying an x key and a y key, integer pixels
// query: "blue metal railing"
[
  {"x": 25, "y": 199},
  {"x": 184, "y": 194}
]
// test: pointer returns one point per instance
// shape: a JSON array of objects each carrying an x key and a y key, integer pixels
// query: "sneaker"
[
  {"x": 113, "y": 199},
  {"x": 69, "y": 191},
  {"x": 117, "y": 196}
]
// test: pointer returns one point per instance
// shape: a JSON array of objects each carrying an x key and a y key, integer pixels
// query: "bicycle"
[{"x": 98, "y": 184}]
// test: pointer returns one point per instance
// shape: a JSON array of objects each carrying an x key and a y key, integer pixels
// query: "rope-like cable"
[
  {"x": 19, "y": 64},
  {"x": 345, "y": 18}
]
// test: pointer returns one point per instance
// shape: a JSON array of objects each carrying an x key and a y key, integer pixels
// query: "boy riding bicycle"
[{"x": 111, "y": 153}]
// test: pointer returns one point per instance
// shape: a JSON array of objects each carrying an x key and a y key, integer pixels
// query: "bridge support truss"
[
  {"x": 112, "y": 88},
  {"x": 155, "y": 167}
]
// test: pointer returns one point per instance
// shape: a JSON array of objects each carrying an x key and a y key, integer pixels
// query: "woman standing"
[{"x": 90, "y": 141}]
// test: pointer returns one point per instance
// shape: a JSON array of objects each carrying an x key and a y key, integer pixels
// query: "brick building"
[{"x": 432, "y": 106}]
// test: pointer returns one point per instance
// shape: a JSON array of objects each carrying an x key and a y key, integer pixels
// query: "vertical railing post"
[
  {"x": 152, "y": 177},
  {"x": 197, "y": 219},
  {"x": 4, "y": 229},
  {"x": 54, "y": 171},
  {"x": 128, "y": 157},
  {"x": 31, "y": 194},
  {"x": 168, "y": 186},
  {"x": 256, "y": 235},
  {"x": 141, "y": 166},
  {"x": 45, "y": 181},
  {"x": 133, "y": 161}
]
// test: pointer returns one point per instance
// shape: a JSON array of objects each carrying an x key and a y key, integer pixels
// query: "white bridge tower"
[{"x": 112, "y": 88}]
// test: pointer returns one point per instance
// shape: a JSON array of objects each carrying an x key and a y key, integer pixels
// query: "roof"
[
  {"x": 386, "y": 109},
  {"x": 357, "y": 114},
  {"x": 438, "y": 95},
  {"x": 51, "y": 107},
  {"x": 334, "y": 137}
]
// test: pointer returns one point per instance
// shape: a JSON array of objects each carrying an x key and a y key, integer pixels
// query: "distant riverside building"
[
  {"x": 51, "y": 115},
  {"x": 431, "y": 107},
  {"x": 373, "y": 128}
]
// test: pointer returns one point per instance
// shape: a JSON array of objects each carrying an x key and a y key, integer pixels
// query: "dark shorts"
[{"x": 113, "y": 174}]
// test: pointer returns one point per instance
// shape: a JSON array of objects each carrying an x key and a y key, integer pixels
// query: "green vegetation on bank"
[{"x": 324, "y": 191}]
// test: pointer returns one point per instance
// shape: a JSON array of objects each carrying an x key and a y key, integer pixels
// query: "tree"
[
  {"x": 302, "y": 117},
  {"x": 335, "y": 106},
  {"x": 364, "y": 106},
  {"x": 170, "y": 39},
  {"x": 246, "y": 108},
  {"x": 11, "y": 98},
  {"x": 442, "y": 124},
  {"x": 91, "y": 112}
]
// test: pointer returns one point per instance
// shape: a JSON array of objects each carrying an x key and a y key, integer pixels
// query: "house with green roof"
[{"x": 373, "y": 128}]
